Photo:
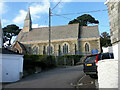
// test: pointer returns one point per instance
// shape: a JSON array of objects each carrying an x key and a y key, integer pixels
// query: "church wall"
[
  {"x": 54, "y": 44},
  {"x": 93, "y": 44}
]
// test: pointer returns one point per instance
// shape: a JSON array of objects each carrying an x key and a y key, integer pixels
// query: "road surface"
[{"x": 56, "y": 78}]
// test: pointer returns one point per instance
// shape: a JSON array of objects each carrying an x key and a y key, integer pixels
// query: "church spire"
[
  {"x": 28, "y": 16},
  {"x": 27, "y": 22}
]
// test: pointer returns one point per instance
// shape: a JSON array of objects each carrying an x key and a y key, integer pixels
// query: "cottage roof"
[
  {"x": 6, "y": 51},
  {"x": 59, "y": 32}
]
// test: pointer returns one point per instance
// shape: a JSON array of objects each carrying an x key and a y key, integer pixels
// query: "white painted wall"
[
  {"x": 116, "y": 49},
  {"x": 108, "y": 73},
  {"x": 12, "y": 65},
  {"x": 107, "y": 49},
  {"x": 119, "y": 65},
  {"x": 0, "y": 71}
]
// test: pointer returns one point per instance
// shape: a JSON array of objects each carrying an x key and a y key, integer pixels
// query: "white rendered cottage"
[
  {"x": 11, "y": 63},
  {"x": 12, "y": 66}
]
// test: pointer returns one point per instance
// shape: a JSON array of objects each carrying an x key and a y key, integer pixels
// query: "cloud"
[
  {"x": 3, "y": 8},
  {"x": 5, "y": 21},
  {"x": 43, "y": 25},
  {"x": 20, "y": 17},
  {"x": 36, "y": 9},
  {"x": 40, "y": 8},
  {"x": 36, "y": 26},
  {"x": 61, "y": 5}
]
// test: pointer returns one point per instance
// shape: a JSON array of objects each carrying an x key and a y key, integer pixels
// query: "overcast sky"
[{"x": 15, "y": 12}]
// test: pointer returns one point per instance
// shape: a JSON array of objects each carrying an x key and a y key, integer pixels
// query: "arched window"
[
  {"x": 75, "y": 49},
  {"x": 65, "y": 49},
  {"x": 59, "y": 50},
  {"x": 87, "y": 48},
  {"x": 35, "y": 50},
  {"x": 44, "y": 50},
  {"x": 51, "y": 50}
]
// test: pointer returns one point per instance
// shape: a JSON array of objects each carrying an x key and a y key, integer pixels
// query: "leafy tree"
[
  {"x": 105, "y": 40},
  {"x": 10, "y": 31},
  {"x": 84, "y": 20}
]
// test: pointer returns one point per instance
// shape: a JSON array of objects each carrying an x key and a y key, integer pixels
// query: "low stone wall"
[{"x": 108, "y": 73}]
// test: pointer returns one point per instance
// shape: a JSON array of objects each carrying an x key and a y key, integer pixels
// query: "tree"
[
  {"x": 10, "y": 31},
  {"x": 105, "y": 40},
  {"x": 84, "y": 20}
]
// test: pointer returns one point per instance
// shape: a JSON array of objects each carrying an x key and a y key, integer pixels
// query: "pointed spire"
[
  {"x": 27, "y": 22},
  {"x": 28, "y": 17}
]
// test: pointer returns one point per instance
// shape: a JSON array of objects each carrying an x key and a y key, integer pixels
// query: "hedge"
[
  {"x": 46, "y": 62},
  {"x": 67, "y": 59},
  {"x": 42, "y": 61}
]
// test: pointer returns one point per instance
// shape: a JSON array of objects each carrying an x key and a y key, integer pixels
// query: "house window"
[
  {"x": 65, "y": 49},
  {"x": 35, "y": 50},
  {"x": 86, "y": 47},
  {"x": 44, "y": 50},
  {"x": 51, "y": 50}
]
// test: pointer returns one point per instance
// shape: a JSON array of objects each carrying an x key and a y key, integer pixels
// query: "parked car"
[{"x": 91, "y": 62}]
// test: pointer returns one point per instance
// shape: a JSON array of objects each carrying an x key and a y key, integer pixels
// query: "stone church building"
[{"x": 65, "y": 39}]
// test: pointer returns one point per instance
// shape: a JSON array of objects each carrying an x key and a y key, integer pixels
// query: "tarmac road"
[{"x": 56, "y": 78}]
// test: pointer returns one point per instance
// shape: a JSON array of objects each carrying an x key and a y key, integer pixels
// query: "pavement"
[
  {"x": 67, "y": 77},
  {"x": 87, "y": 82}
]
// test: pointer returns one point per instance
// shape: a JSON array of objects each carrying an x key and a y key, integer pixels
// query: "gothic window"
[
  {"x": 87, "y": 47},
  {"x": 59, "y": 50},
  {"x": 51, "y": 50},
  {"x": 44, "y": 50},
  {"x": 65, "y": 49},
  {"x": 75, "y": 48},
  {"x": 35, "y": 50}
]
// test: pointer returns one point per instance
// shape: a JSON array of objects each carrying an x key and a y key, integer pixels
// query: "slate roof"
[
  {"x": 58, "y": 32},
  {"x": 89, "y": 32}
]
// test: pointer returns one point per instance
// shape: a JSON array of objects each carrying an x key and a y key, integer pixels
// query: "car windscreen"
[
  {"x": 90, "y": 59},
  {"x": 105, "y": 56}
]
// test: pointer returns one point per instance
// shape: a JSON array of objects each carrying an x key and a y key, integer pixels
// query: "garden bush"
[
  {"x": 67, "y": 59},
  {"x": 31, "y": 62},
  {"x": 42, "y": 61}
]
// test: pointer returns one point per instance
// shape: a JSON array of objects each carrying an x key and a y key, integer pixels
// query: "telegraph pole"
[
  {"x": 50, "y": 14},
  {"x": 49, "y": 31}
]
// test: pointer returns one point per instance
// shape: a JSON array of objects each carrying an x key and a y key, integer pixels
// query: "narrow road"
[{"x": 56, "y": 78}]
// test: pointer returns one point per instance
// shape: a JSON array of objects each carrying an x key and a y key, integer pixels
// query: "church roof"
[
  {"x": 89, "y": 32},
  {"x": 59, "y": 32}
]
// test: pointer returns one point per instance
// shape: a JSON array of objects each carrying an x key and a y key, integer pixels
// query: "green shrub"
[
  {"x": 42, "y": 61},
  {"x": 47, "y": 62},
  {"x": 61, "y": 60}
]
